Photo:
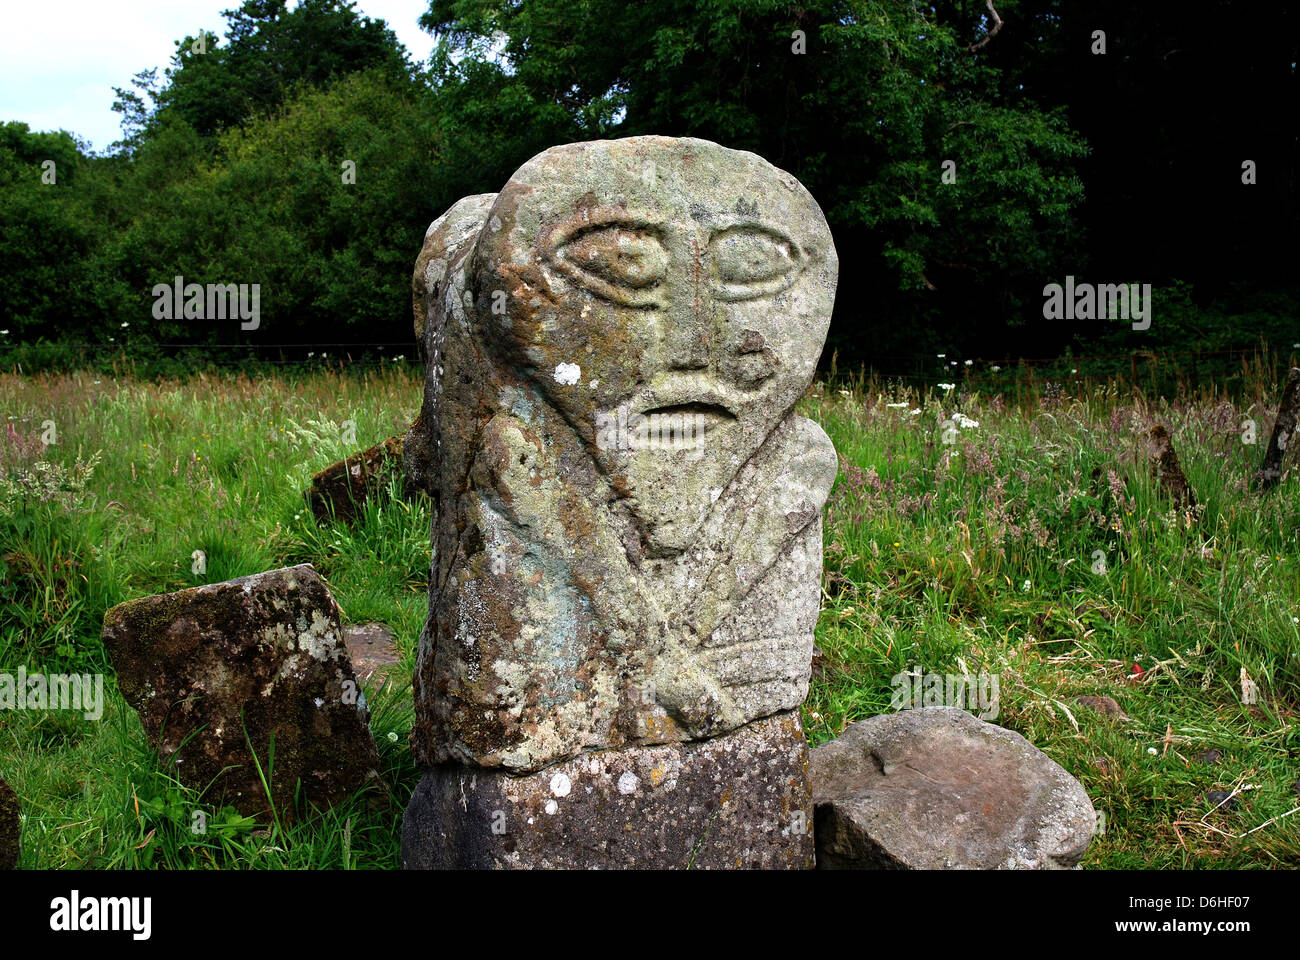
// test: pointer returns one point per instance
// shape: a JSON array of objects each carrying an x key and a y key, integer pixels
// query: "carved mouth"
[{"x": 681, "y": 426}]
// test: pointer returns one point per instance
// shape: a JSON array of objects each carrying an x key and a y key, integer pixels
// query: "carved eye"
[
  {"x": 622, "y": 263},
  {"x": 753, "y": 262}
]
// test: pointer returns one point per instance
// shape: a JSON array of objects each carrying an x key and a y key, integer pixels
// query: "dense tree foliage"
[{"x": 966, "y": 153}]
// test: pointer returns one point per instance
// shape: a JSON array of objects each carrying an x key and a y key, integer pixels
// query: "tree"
[
  {"x": 269, "y": 50},
  {"x": 882, "y": 96}
]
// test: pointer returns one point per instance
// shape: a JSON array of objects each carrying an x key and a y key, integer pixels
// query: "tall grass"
[{"x": 963, "y": 535}]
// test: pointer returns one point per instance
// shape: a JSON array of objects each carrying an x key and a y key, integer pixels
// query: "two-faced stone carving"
[{"x": 628, "y": 539}]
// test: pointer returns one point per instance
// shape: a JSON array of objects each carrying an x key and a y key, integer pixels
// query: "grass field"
[{"x": 965, "y": 534}]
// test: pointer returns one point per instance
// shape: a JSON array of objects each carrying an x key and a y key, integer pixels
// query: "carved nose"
[{"x": 686, "y": 344}]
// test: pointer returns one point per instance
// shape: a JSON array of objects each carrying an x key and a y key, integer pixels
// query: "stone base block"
[{"x": 738, "y": 801}]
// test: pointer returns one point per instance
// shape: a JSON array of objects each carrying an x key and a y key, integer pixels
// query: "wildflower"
[
  {"x": 392, "y": 734},
  {"x": 845, "y": 393},
  {"x": 1024, "y": 587},
  {"x": 913, "y": 413},
  {"x": 896, "y": 406},
  {"x": 995, "y": 368},
  {"x": 1152, "y": 751},
  {"x": 964, "y": 421},
  {"x": 946, "y": 386},
  {"x": 969, "y": 362},
  {"x": 941, "y": 355},
  {"x": 125, "y": 325}
]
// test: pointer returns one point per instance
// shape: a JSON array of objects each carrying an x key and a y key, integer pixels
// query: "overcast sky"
[{"x": 60, "y": 59}]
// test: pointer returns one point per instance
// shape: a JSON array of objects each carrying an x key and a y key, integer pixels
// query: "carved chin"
[{"x": 671, "y": 497}]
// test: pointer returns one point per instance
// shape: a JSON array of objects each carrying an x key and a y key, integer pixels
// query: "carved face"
[{"x": 669, "y": 298}]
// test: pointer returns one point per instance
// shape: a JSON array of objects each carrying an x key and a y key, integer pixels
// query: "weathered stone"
[
  {"x": 740, "y": 800},
  {"x": 371, "y": 649},
  {"x": 1166, "y": 468},
  {"x": 340, "y": 490},
  {"x": 1106, "y": 706},
  {"x": 936, "y": 788},
  {"x": 216, "y": 669},
  {"x": 10, "y": 827},
  {"x": 445, "y": 242},
  {"x": 628, "y": 540},
  {"x": 628, "y": 533},
  {"x": 1284, "y": 431}
]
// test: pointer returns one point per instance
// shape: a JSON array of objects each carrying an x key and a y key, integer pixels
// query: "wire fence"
[{"x": 1156, "y": 370}]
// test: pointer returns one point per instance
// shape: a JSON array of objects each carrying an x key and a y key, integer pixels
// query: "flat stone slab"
[
  {"x": 256, "y": 660},
  {"x": 10, "y": 826},
  {"x": 937, "y": 788},
  {"x": 371, "y": 650},
  {"x": 740, "y": 800}
]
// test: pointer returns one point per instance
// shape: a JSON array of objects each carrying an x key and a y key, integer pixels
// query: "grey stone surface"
[
  {"x": 215, "y": 668},
  {"x": 739, "y": 800},
  {"x": 10, "y": 827},
  {"x": 628, "y": 534},
  {"x": 937, "y": 788}
]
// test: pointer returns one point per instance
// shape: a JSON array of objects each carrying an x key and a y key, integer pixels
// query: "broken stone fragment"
[
  {"x": 257, "y": 662},
  {"x": 738, "y": 801},
  {"x": 10, "y": 827},
  {"x": 1166, "y": 468},
  {"x": 936, "y": 788},
  {"x": 341, "y": 489},
  {"x": 1284, "y": 431}
]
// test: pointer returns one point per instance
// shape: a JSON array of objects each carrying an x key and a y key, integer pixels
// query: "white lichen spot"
[
  {"x": 628, "y": 782},
  {"x": 567, "y": 374},
  {"x": 552, "y": 807},
  {"x": 561, "y": 785}
]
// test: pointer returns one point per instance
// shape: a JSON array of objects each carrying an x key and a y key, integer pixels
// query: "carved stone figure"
[{"x": 627, "y": 549}]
